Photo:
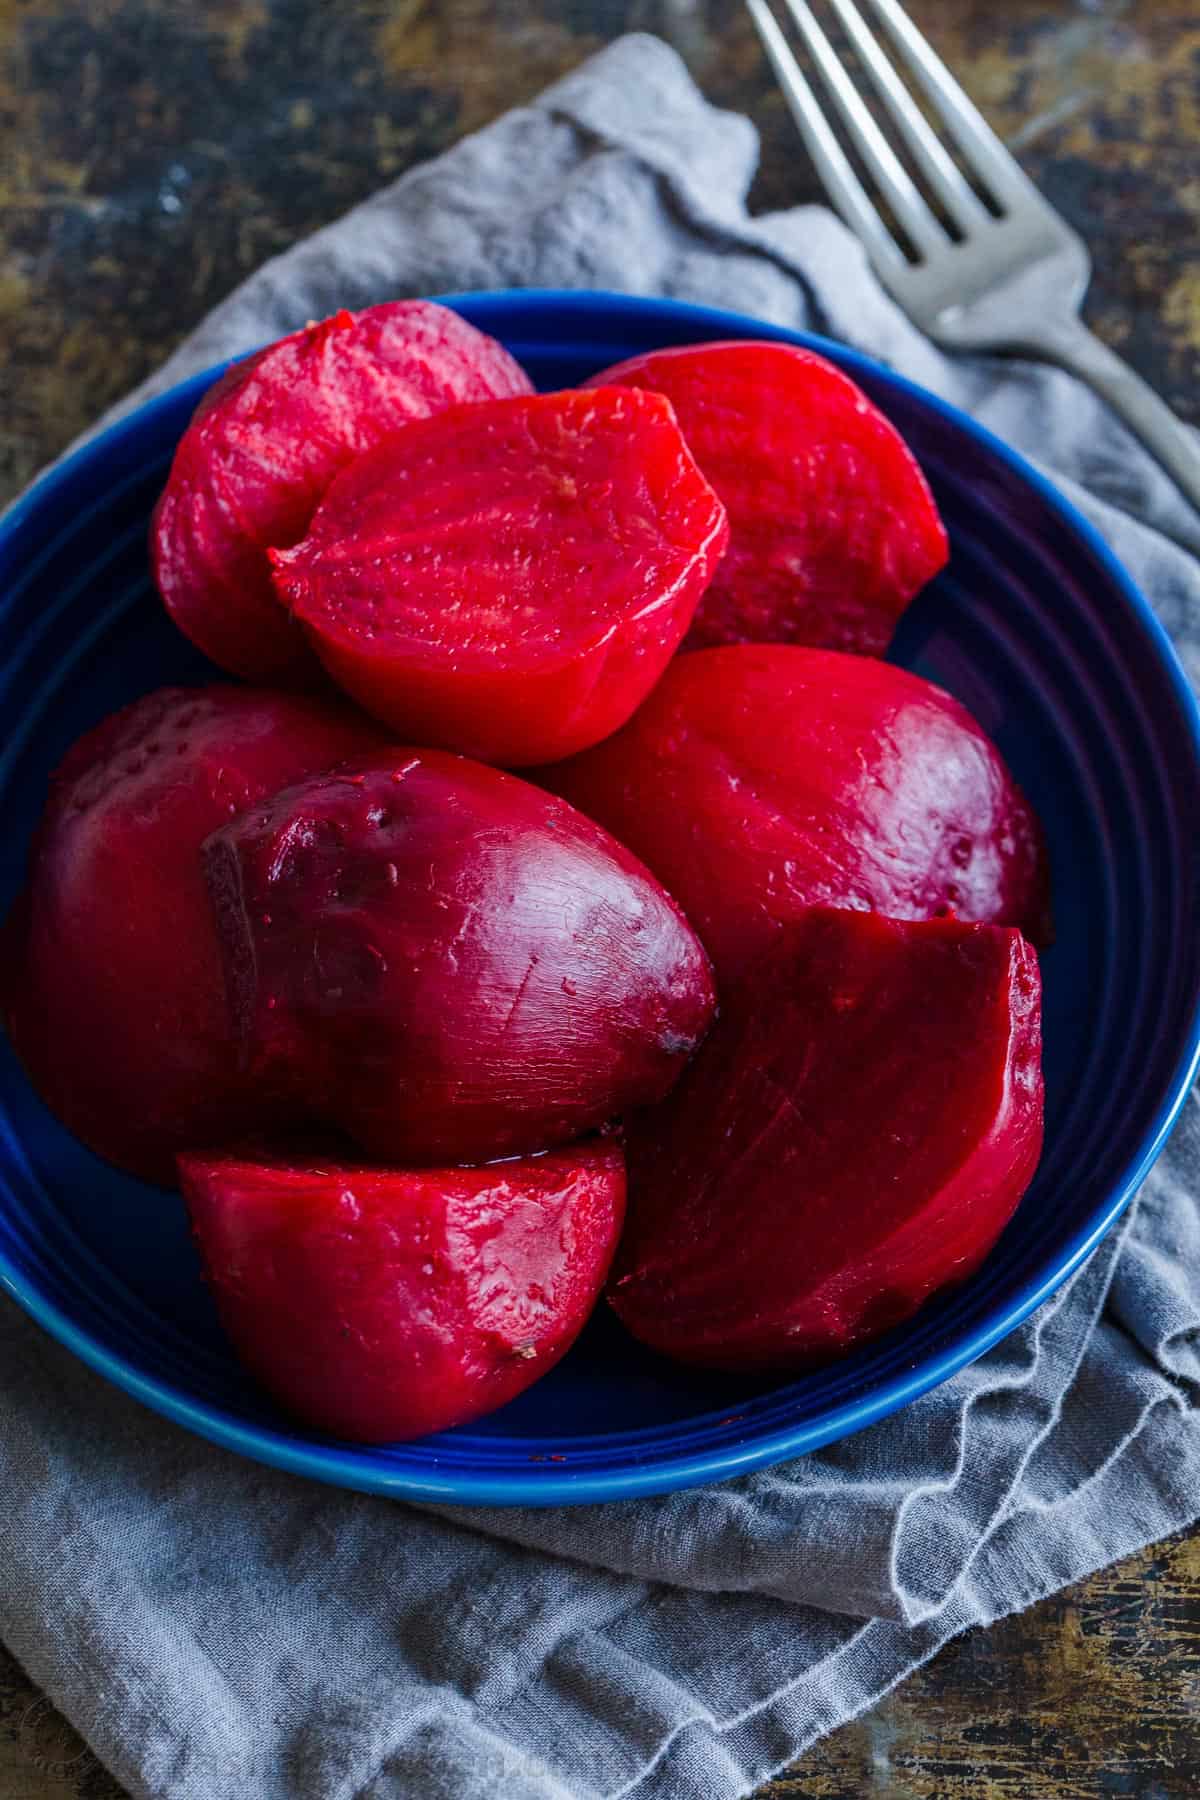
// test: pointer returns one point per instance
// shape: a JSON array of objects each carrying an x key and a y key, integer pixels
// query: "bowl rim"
[{"x": 557, "y": 1484}]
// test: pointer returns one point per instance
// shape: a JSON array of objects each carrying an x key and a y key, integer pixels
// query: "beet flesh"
[
  {"x": 510, "y": 579},
  {"x": 114, "y": 994},
  {"x": 853, "y": 1138},
  {"x": 758, "y": 780},
  {"x": 448, "y": 964},
  {"x": 377, "y": 1304},
  {"x": 833, "y": 528},
  {"x": 265, "y": 443}
]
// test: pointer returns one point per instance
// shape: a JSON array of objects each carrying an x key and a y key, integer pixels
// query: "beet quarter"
[
  {"x": 833, "y": 528},
  {"x": 761, "y": 779},
  {"x": 510, "y": 580},
  {"x": 265, "y": 443},
  {"x": 114, "y": 991},
  {"x": 448, "y": 964},
  {"x": 853, "y": 1138},
  {"x": 378, "y": 1304}
]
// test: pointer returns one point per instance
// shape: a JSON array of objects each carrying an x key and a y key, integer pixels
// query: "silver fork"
[{"x": 1012, "y": 279}]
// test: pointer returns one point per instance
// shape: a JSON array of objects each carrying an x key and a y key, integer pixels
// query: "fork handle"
[{"x": 1175, "y": 445}]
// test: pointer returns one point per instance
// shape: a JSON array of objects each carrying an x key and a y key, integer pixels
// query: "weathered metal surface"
[{"x": 155, "y": 151}]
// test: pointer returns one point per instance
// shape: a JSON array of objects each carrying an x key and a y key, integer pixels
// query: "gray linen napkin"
[{"x": 218, "y": 1631}]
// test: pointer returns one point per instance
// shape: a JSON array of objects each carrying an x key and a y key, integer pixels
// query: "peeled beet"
[
  {"x": 758, "y": 780},
  {"x": 115, "y": 998},
  {"x": 853, "y": 1137},
  {"x": 833, "y": 528},
  {"x": 448, "y": 964},
  {"x": 510, "y": 580},
  {"x": 265, "y": 443},
  {"x": 385, "y": 1303}
]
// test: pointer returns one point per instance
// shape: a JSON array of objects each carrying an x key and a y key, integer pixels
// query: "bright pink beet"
[
  {"x": 509, "y": 580},
  {"x": 447, "y": 963},
  {"x": 833, "y": 528},
  {"x": 760, "y": 779},
  {"x": 853, "y": 1138},
  {"x": 381, "y": 1303},
  {"x": 264, "y": 445},
  {"x": 115, "y": 998}
]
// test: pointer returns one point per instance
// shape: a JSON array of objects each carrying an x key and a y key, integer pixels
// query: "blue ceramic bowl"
[{"x": 1034, "y": 626}]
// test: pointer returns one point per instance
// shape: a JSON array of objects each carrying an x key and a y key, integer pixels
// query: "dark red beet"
[
  {"x": 832, "y": 525},
  {"x": 448, "y": 964},
  {"x": 510, "y": 580},
  {"x": 384, "y": 1303},
  {"x": 116, "y": 1004},
  {"x": 264, "y": 445},
  {"x": 853, "y": 1137},
  {"x": 758, "y": 780}
]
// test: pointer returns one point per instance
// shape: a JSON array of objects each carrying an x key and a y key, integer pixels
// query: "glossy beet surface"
[
  {"x": 380, "y": 1303},
  {"x": 853, "y": 1137},
  {"x": 833, "y": 528},
  {"x": 761, "y": 779},
  {"x": 510, "y": 580},
  {"x": 266, "y": 442},
  {"x": 447, "y": 963},
  {"x": 115, "y": 997},
  {"x": 1033, "y": 626}
]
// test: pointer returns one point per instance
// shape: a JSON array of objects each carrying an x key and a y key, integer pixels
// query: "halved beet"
[
  {"x": 510, "y": 580},
  {"x": 378, "y": 1303},
  {"x": 853, "y": 1138},
  {"x": 833, "y": 528},
  {"x": 448, "y": 964},
  {"x": 114, "y": 994},
  {"x": 265, "y": 443},
  {"x": 758, "y": 780}
]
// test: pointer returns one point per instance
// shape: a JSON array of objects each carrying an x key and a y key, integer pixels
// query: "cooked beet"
[
  {"x": 758, "y": 780},
  {"x": 853, "y": 1138},
  {"x": 115, "y": 998},
  {"x": 832, "y": 525},
  {"x": 266, "y": 442},
  {"x": 447, "y": 963},
  {"x": 381, "y": 1303},
  {"x": 510, "y": 579}
]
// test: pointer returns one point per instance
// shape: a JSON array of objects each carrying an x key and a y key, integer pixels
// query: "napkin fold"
[{"x": 217, "y": 1630}]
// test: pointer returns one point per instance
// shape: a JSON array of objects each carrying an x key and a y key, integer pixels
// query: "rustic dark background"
[{"x": 152, "y": 152}]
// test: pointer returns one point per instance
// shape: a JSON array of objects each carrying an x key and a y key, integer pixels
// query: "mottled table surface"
[{"x": 152, "y": 152}]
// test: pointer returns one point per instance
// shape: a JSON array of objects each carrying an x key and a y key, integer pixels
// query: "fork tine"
[
  {"x": 841, "y": 183},
  {"x": 929, "y": 153},
  {"x": 985, "y": 152},
  {"x": 906, "y": 202}
]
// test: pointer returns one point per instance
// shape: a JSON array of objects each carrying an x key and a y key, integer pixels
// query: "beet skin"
[
  {"x": 760, "y": 779},
  {"x": 115, "y": 998},
  {"x": 378, "y": 1304},
  {"x": 853, "y": 1137},
  {"x": 447, "y": 963}
]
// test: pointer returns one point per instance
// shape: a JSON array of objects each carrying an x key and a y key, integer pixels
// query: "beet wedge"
[
  {"x": 851, "y": 1140},
  {"x": 509, "y": 580},
  {"x": 376, "y": 1304},
  {"x": 115, "y": 999},
  {"x": 758, "y": 780},
  {"x": 264, "y": 445},
  {"x": 833, "y": 528},
  {"x": 449, "y": 965}
]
